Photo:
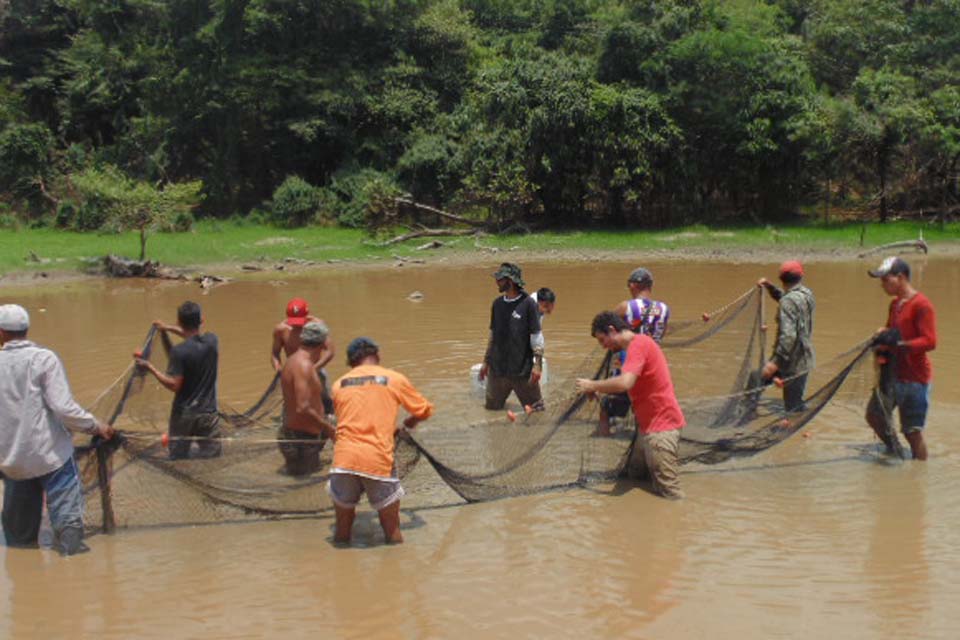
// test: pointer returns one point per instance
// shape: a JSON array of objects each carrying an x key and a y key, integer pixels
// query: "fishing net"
[{"x": 130, "y": 481}]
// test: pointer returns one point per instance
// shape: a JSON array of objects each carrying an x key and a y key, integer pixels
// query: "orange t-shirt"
[{"x": 366, "y": 400}]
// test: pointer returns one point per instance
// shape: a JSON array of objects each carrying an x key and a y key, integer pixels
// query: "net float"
[{"x": 165, "y": 439}]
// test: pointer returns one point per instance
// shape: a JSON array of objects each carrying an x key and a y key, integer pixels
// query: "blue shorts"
[{"x": 912, "y": 400}]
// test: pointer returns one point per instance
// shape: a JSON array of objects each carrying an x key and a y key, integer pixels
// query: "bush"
[
  {"x": 66, "y": 215},
  {"x": 90, "y": 217},
  {"x": 294, "y": 202},
  {"x": 183, "y": 221},
  {"x": 363, "y": 195},
  {"x": 9, "y": 222}
]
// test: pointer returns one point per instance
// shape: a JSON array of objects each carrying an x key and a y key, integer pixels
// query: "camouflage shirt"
[{"x": 793, "y": 352}]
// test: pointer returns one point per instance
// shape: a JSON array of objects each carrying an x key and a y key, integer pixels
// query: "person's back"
[
  {"x": 647, "y": 316},
  {"x": 367, "y": 400},
  {"x": 795, "y": 316},
  {"x": 33, "y": 440},
  {"x": 196, "y": 359}
]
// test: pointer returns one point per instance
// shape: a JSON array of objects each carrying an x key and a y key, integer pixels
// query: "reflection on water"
[{"x": 816, "y": 537}]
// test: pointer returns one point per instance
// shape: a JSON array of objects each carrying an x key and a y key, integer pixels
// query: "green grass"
[{"x": 213, "y": 242}]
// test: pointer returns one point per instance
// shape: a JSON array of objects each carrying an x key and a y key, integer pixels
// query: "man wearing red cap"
[
  {"x": 286, "y": 339},
  {"x": 793, "y": 352}
]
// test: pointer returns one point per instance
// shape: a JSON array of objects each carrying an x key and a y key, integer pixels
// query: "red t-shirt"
[
  {"x": 918, "y": 330},
  {"x": 654, "y": 401}
]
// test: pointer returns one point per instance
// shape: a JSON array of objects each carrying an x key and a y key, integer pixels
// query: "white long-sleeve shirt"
[{"x": 36, "y": 409}]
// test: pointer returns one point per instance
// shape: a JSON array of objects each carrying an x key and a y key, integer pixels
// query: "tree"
[{"x": 134, "y": 204}]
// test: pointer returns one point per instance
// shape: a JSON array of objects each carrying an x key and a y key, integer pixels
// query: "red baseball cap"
[
  {"x": 791, "y": 266},
  {"x": 297, "y": 312}
]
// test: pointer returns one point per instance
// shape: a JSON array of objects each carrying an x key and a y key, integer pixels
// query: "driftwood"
[
  {"x": 426, "y": 233},
  {"x": 118, "y": 267},
  {"x": 443, "y": 214},
  {"x": 919, "y": 245}
]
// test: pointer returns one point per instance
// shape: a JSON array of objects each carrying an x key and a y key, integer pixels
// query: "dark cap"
[
  {"x": 360, "y": 348},
  {"x": 641, "y": 276},
  {"x": 509, "y": 271},
  {"x": 892, "y": 266}
]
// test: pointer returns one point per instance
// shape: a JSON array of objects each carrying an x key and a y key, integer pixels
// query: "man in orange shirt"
[{"x": 366, "y": 400}]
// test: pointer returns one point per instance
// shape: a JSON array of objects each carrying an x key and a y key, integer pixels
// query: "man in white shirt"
[{"x": 36, "y": 448}]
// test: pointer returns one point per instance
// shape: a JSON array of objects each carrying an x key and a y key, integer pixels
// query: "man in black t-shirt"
[
  {"x": 514, "y": 358},
  {"x": 192, "y": 376}
]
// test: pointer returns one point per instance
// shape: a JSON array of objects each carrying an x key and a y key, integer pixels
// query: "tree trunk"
[
  {"x": 143, "y": 244},
  {"x": 883, "y": 160}
]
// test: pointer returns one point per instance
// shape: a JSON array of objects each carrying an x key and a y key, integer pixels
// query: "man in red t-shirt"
[
  {"x": 645, "y": 377},
  {"x": 911, "y": 332}
]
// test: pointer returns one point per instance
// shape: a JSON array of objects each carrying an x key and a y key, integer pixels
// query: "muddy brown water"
[{"x": 813, "y": 538}]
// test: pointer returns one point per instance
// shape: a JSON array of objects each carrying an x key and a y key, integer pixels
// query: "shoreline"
[{"x": 239, "y": 270}]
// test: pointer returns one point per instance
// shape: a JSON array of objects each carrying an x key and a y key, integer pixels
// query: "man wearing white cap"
[
  {"x": 910, "y": 333},
  {"x": 36, "y": 448}
]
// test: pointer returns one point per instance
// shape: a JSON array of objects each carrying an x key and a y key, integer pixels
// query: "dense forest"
[{"x": 546, "y": 113}]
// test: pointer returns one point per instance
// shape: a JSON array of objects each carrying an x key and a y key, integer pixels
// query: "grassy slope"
[{"x": 216, "y": 242}]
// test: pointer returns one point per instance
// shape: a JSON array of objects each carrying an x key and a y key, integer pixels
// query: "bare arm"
[
  {"x": 328, "y": 353},
  {"x": 276, "y": 349},
  {"x": 168, "y": 328},
  {"x": 173, "y": 383},
  {"x": 618, "y": 384},
  {"x": 621, "y": 309}
]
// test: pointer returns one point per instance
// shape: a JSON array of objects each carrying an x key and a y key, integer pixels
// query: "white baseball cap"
[{"x": 13, "y": 317}]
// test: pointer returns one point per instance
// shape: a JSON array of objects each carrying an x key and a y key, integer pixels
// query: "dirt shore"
[{"x": 273, "y": 268}]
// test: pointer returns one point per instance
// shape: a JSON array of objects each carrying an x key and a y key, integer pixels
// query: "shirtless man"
[
  {"x": 286, "y": 335},
  {"x": 286, "y": 339},
  {"x": 305, "y": 428}
]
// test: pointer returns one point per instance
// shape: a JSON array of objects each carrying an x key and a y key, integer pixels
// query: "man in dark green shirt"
[{"x": 793, "y": 354}]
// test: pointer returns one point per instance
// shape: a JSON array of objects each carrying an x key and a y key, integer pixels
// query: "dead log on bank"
[{"x": 427, "y": 233}]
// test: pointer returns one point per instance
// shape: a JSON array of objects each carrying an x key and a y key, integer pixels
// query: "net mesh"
[{"x": 131, "y": 482}]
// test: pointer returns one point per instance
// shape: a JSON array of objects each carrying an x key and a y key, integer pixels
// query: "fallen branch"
[
  {"x": 427, "y": 233},
  {"x": 919, "y": 245},
  {"x": 443, "y": 214}
]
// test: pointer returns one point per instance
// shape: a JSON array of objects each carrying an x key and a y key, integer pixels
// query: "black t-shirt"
[
  {"x": 512, "y": 323},
  {"x": 196, "y": 360}
]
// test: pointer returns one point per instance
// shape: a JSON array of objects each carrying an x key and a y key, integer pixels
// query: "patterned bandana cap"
[
  {"x": 509, "y": 271},
  {"x": 314, "y": 333}
]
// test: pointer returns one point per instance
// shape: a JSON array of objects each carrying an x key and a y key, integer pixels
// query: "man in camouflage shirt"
[{"x": 793, "y": 352}]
